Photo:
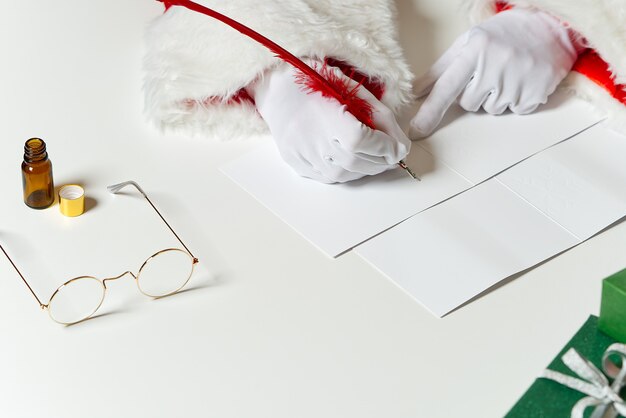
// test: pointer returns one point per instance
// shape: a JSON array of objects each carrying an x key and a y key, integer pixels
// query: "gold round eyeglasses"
[{"x": 162, "y": 274}]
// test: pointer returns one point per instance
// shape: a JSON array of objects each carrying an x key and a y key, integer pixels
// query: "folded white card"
[
  {"x": 335, "y": 218},
  {"x": 447, "y": 255}
]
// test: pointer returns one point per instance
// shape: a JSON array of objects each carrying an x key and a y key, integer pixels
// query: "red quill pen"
[{"x": 329, "y": 84}]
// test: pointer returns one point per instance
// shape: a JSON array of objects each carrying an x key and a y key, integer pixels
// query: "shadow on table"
[
  {"x": 207, "y": 282},
  {"x": 100, "y": 315},
  {"x": 197, "y": 285}
]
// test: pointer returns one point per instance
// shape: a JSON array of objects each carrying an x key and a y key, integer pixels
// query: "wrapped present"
[
  {"x": 586, "y": 379},
  {"x": 613, "y": 308}
]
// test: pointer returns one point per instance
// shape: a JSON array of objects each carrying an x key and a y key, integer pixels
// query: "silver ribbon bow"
[{"x": 593, "y": 383}]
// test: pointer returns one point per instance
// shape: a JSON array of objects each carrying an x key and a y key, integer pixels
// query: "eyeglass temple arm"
[
  {"x": 115, "y": 188},
  {"x": 22, "y": 276}
]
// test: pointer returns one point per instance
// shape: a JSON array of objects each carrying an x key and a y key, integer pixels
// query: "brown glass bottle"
[{"x": 37, "y": 175}]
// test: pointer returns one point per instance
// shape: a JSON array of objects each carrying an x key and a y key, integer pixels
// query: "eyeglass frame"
[{"x": 114, "y": 189}]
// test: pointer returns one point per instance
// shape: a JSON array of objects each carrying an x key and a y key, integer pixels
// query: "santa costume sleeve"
[
  {"x": 599, "y": 75},
  {"x": 196, "y": 68}
]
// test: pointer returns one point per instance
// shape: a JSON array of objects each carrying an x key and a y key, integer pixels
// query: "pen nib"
[{"x": 406, "y": 168}]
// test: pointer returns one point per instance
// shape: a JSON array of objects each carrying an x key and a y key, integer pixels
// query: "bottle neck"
[{"x": 35, "y": 150}]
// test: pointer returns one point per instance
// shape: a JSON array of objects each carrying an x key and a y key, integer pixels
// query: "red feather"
[{"x": 328, "y": 83}]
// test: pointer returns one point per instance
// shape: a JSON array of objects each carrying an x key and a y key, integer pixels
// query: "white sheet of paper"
[
  {"x": 478, "y": 145},
  {"x": 448, "y": 254},
  {"x": 580, "y": 184},
  {"x": 335, "y": 218}
]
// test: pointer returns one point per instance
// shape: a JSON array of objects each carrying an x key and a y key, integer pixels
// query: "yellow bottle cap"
[{"x": 72, "y": 200}]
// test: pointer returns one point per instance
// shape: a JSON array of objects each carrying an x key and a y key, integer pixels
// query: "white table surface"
[{"x": 271, "y": 327}]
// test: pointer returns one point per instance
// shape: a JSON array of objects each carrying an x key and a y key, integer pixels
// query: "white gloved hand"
[
  {"x": 514, "y": 60},
  {"x": 319, "y": 139}
]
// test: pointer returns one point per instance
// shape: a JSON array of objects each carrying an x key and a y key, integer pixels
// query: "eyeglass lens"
[
  {"x": 76, "y": 300},
  {"x": 165, "y": 273}
]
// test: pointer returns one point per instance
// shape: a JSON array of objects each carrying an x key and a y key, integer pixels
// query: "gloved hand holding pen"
[
  {"x": 514, "y": 60},
  {"x": 318, "y": 138}
]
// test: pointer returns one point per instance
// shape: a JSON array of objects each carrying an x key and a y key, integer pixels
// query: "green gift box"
[
  {"x": 613, "y": 308},
  {"x": 549, "y": 399}
]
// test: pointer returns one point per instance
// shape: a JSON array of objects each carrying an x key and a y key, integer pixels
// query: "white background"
[{"x": 272, "y": 327}]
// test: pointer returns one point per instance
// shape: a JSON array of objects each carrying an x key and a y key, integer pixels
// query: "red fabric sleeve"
[
  {"x": 591, "y": 65},
  {"x": 596, "y": 69}
]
